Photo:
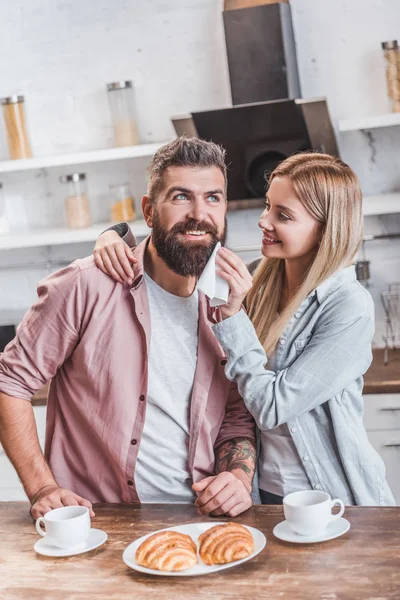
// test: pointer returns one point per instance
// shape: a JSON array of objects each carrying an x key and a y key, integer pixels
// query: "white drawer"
[
  {"x": 381, "y": 411},
  {"x": 387, "y": 443}
]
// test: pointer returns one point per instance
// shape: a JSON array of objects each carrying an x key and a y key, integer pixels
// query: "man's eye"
[
  {"x": 181, "y": 197},
  {"x": 213, "y": 198}
]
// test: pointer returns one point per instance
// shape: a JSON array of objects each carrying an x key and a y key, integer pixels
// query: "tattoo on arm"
[{"x": 237, "y": 454}]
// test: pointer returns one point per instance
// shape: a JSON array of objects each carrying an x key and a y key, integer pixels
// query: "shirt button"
[
  {"x": 282, "y": 342},
  {"x": 293, "y": 429},
  {"x": 317, "y": 487},
  {"x": 134, "y": 442},
  {"x": 223, "y": 362},
  {"x": 297, "y": 315},
  {"x": 141, "y": 397},
  {"x": 305, "y": 458},
  {"x": 130, "y": 482}
]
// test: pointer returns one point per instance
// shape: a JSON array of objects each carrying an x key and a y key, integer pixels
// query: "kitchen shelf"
[
  {"x": 370, "y": 122},
  {"x": 94, "y": 156},
  {"x": 63, "y": 235},
  {"x": 381, "y": 204}
]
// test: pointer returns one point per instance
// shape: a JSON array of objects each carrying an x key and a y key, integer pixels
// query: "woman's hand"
[
  {"x": 114, "y": 257},
  {"x": 234, "y": 271}
]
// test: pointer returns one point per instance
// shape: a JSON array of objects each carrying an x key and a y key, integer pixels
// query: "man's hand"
[
  {"x": 114, "y": 257},
  {"x": 222, "y": 494},
  {"x": 50, "y": 497}
]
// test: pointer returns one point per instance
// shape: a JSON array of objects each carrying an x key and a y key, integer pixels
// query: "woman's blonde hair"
[{"x": 331, "y": 193}]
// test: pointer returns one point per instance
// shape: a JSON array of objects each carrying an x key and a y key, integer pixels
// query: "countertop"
[
  {"x": 363, "y": 563},
  {"x": 379, "y": 379}
]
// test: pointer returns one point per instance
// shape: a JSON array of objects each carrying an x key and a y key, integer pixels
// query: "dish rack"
[{"x": 391, "y": 304}]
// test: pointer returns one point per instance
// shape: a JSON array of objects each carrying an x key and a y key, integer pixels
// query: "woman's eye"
[
  {"x": 284, "y": 217},
  {"x": 267, "y": 206}
]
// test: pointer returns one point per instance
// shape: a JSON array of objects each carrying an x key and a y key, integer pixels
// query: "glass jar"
[
  {"x": 392, "y": 56},
  {"x": 77, "y": 209},
  {"x": 3, "y": 212},
  {"x": 123, "y": 113},
  {"x": 122, "y": 203},
  {"x": 15, "y": 122}
]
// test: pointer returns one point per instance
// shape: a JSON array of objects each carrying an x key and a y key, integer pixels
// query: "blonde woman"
[{"x": 299, "y": 353}]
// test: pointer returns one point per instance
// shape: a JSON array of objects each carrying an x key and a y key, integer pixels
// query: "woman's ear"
[{"x": 147, "y": 210}]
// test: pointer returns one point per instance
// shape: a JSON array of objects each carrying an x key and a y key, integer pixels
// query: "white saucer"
[
  {"x": 194, "y": 530},
  {"x": 334, "y": 530},
  {"x": 96, "y": 538}
]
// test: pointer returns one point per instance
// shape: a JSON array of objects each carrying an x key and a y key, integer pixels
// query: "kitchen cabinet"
[
  {"x": 382, "y": 422},
  {"x": 10, "y": 486}
]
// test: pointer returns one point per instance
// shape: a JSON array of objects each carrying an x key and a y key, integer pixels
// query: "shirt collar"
[{"x": 327, "y": 287}]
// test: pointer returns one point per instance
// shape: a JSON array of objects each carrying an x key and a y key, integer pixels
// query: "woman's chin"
[{"x": 272, "y": 251}]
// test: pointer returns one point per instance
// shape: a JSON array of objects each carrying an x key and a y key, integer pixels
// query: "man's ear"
[{"x": 147, "y": 210}]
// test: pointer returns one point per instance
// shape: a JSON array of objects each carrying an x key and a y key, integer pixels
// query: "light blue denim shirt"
[{"x": 316, "y": 386}]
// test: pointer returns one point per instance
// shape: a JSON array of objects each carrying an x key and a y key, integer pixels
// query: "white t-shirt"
[
  {"x": 162, "y": 473},
  {"x": 280, "y": 468}
]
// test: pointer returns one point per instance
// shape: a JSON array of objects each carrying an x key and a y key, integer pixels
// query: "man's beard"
[{"x": 185, "y": 257}]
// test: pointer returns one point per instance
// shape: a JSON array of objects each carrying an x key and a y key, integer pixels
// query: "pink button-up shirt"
[{"x": 90, "y": 335}]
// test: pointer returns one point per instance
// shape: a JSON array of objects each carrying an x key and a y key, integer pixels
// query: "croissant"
[
  {"x": 225, "y": 543},
  {"x": 167, "y": 551}
]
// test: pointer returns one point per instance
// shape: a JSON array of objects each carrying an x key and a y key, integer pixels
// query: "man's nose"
[{"x": 197, "y": 211}]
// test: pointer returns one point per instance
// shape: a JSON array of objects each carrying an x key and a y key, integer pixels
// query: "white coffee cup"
[
  {"x": 309, "y": 513},
  {"x": 65, "y": 527}
]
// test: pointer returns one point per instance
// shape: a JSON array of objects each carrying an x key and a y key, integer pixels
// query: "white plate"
[
  {"x": 96, "y": 538},
  {"x": 334, "y": 530},
  {"x": 194, "y": 530}
]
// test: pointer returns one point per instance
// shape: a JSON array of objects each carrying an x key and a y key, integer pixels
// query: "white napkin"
[{"x": 211, "y": 284}]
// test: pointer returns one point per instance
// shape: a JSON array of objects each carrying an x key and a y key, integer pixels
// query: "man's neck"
[{"x": 156, "y": 268}]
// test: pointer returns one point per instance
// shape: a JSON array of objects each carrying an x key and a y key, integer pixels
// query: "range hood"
[{"x": 258, "y": 136}]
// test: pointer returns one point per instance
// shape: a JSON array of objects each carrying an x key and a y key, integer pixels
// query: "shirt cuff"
[
  {"x": 124, "y": 232},
  {"x": 229, "y": 328}
]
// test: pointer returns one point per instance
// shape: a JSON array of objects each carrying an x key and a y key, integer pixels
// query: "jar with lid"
[
  {"x": 77, "y": 209},
  {"x": 392, "y": 56},
  {"x": 3, "y": 212},
  {"x": 16, "y": 130},
  {"x": 122, "y": 106},
  {"x": 122, "y": 203}
]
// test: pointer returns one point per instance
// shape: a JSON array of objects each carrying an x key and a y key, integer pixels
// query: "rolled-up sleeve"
[
  {"x": 338, "y": 353},
  {"x": 237, "y": 422},
  {"x": 124, "y": 232},
  {"x": 47, "y": 335}
]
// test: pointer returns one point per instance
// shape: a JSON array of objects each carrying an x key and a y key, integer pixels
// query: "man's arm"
[
  {"x": 229, "y": 492},
  {"x": 19, "y": 439},
  {"x": 238, "y": 456},
  {"x": 46, "y": 337}
]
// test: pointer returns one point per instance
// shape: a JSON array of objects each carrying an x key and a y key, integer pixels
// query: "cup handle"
[
  {"x": 38, "y": 526},
  {"x": 341, "y": 511}
]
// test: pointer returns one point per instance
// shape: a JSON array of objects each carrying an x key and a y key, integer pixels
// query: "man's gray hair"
[{"x": 184, "y": 152}]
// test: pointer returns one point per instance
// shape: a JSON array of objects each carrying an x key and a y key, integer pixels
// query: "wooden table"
[{"x": 362, "y": 564}]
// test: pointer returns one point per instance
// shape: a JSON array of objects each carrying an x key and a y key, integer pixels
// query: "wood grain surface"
[
  {"x": 363, "y": 564},
  {"x": 381, "y": 378}
]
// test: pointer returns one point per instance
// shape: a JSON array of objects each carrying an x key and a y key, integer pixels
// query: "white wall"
[{"x": 61, "y": 55}]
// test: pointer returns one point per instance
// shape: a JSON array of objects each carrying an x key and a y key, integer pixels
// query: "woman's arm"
[
  {"x": 113, "y": 252},
  {"x": 338, "y": 353}
]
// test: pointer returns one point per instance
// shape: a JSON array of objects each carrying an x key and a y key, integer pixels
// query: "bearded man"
[{"x": 139, "y": 408}]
